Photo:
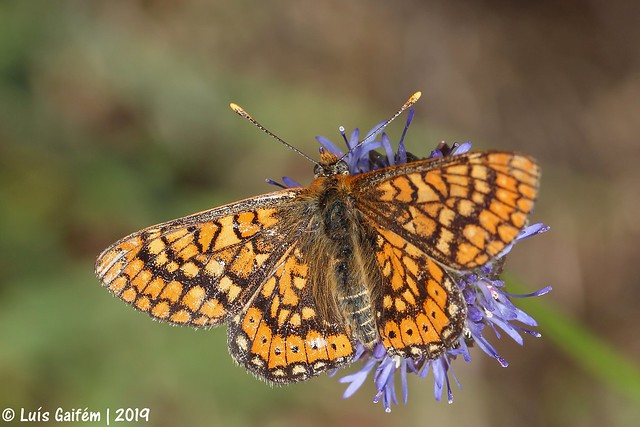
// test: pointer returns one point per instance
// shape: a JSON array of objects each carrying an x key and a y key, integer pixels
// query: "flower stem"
[{"x": 589, "y": 351}]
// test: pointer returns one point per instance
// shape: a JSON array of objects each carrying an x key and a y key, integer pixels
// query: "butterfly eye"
[{"x": 341, "y": 168}]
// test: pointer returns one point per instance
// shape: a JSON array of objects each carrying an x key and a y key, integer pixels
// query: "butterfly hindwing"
[
  {"x": 421, "y": 311},
  {"x": 280, "y": 336}
]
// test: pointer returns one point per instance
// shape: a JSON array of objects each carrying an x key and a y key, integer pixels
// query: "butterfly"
[{"x": 302, "y": 275}]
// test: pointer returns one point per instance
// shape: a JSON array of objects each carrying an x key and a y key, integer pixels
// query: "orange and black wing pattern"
[
  {"x": 200, "y": 270},
  {"x": 461, "y": 210},
  {"x": 421, "y": 312},
  {"x": 280, "y": 336},
  {"x": 452, "y": 213},
  {"x": 244, "y": 264},
  {"x": 238, "y": 264}
]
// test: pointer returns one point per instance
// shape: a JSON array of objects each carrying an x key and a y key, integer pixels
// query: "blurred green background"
[{"x": 114, "y": 116}]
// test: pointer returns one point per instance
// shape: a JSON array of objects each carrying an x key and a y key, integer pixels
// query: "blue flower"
[{"x": 489, "y": 305}]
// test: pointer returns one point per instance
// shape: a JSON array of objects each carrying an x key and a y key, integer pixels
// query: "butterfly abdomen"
[{"x": 355, "y": 304}]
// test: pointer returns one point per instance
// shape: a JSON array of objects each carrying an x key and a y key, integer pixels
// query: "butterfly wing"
[
  {"x": 461, "y": 210},
  {"x": 202, "y": 269},
  {"x": 280, "y": 336},
  {"x": 458, "y": 212},
  {"x": 422, "y": 311},
  {"x": 238, "y": 264}
]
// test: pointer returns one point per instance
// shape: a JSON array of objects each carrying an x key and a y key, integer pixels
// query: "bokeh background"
[{"x": 114, "y": 116}]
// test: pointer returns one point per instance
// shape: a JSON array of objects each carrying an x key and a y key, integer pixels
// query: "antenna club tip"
[
  {"x": 415, "y": 96},
  {"x": 235, "y": 107}
]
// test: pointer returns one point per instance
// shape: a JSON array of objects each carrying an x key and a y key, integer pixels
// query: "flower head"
[{"x": 490, "y": 309}]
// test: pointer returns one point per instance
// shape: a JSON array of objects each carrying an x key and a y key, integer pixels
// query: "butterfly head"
[{"x": 330, "y": 165}]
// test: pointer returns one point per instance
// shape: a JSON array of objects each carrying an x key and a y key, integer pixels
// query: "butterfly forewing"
[
  {"x": 460, "y": 210},
  {"x": 201, "y": 269}
]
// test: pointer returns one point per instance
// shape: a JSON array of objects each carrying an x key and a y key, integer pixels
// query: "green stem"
[{"x": 594, "y": 355}]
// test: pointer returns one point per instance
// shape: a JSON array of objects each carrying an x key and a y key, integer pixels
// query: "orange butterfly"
[{"x": 301, "y": 275}]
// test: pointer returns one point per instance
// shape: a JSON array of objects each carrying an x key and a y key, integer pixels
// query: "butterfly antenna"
[
  {"x": 412, "y": 100},
  {"x": 240, "y": 111}
]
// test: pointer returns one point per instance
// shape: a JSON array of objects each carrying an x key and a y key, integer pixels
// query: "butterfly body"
[
  {"x": 346, "y": 277},
  {"x": 302, "y": 275}
]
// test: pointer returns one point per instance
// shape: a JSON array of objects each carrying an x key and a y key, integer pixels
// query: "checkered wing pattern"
[
  {"x": 455, "y": 213},
  {"x": 281, "y": 336},
  {"x": 200, "y": 270}
]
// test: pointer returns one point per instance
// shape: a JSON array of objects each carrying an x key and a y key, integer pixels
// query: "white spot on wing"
[{"x": 317, "y": 343}]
